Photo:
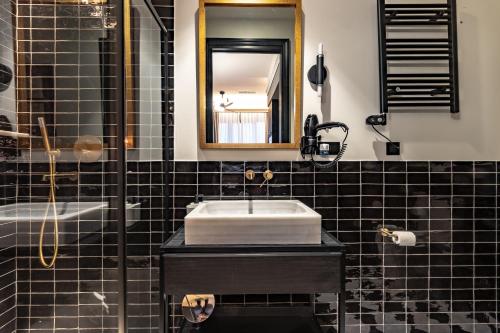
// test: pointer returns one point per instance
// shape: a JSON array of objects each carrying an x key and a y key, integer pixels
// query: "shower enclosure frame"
[{"x": 121, "y": 111}]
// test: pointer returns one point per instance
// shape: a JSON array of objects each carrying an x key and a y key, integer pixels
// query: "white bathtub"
[
  {"x": 75, "y": 219},
  {"x": 35, "y": 211}
]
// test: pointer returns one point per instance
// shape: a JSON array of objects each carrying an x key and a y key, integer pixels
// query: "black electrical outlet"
[{"x": 393, "y": 148}]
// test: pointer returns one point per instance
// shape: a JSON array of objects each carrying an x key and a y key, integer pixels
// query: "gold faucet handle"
[
  {"x": 250, "y": 174},
  {"x": 268, "y": 176}
]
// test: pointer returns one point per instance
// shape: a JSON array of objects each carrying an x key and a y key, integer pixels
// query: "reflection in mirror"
[
  {"x": 242, "y": 116},
  {"x": 249, "y": 91},
  {"x": 143, "y": 56},
  {"x": 75, "y": 94}
]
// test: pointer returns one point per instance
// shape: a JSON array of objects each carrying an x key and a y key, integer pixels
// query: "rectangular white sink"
[{"x": 257, "y": 222}]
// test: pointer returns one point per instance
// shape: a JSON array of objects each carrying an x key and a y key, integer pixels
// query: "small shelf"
[{"x": 257, "y": 319}]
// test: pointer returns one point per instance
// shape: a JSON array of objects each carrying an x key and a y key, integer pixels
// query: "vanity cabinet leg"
[
  {"x": 341, "y": 297},
  {"x": 164, "y": 313},
  {"x": 341, "y": 312},
  {"x": 164, "y": 299},
  {"x": 167, "y": 314}
]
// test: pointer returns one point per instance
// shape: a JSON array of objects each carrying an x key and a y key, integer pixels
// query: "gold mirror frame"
[{"x": 202, "y": 98}]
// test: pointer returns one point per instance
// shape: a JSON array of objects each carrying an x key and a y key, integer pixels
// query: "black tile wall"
[
  {"x": 447, "y": 283},
  {"x": 67, "y": 297},
  {"x": 145, "y": 234},
  {"x": 165, "y": 9},
  {"x": 89, "y": 252},
  {"x": 62, "y": 78},
  {"x": 145, "y": 231},
  {"x": 8, "y": 153}
]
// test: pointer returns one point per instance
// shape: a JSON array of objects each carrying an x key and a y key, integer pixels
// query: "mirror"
[
  {"x": 250, "y": 63},
  {"x": 143, "y": 81}
]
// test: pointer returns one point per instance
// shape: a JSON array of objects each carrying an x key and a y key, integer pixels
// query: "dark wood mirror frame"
[{"x": 202, "y": 74}]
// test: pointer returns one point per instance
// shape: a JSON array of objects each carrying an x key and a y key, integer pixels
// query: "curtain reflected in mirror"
[{"x": 241, "y": 127}]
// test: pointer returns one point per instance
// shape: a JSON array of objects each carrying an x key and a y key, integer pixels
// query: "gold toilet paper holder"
[
  {"x": 401, "y": 238},
  {"x": 385, "y": 232}
]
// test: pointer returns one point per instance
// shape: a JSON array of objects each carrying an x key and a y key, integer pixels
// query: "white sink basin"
[{"x": 253, "y": 222}]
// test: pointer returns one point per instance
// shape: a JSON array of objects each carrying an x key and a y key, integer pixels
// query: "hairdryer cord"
[
  {"x": 339, "y": 156},
  {"x": 382, "y": 135}
]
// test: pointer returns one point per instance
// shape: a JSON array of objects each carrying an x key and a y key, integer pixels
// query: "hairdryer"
[{"x": 311, "y": 143}]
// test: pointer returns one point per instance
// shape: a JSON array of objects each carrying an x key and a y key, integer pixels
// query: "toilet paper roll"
[{"x": 404, "y": 238}]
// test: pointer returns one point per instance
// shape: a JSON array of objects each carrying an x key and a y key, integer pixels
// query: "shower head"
[
  {"x": 45, "y": 137},
  {"x": 45, "y": 134}
]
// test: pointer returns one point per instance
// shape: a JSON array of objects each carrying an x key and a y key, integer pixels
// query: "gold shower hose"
[{"x": 51, "y": 202}]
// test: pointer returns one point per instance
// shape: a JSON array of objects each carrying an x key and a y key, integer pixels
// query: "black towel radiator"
[{"x": 425, "y": 89}]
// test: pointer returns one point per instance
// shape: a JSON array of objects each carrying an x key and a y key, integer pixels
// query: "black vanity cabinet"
[{"x": 254, "y": 269}]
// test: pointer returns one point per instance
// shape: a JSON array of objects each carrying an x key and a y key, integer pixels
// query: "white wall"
[{"x": 349, "y": 31}]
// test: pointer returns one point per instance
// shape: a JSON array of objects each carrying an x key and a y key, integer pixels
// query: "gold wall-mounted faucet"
[{"x": 268, "y": 175}]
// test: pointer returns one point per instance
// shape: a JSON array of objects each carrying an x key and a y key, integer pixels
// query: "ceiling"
[
  {"x": 277, "y": 13},
  {"x": 242, "y": 72}
]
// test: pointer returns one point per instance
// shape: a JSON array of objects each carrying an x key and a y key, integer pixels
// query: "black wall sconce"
[{"x": 318, "y": 73}]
